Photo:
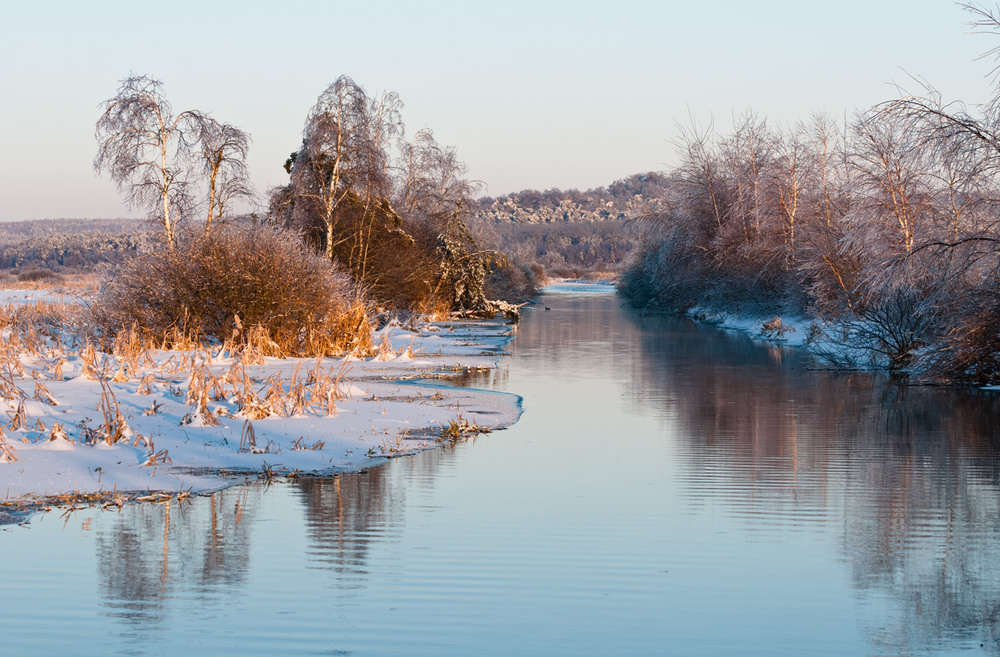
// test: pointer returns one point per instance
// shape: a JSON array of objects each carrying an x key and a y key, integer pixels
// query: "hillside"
[
  {"x": 570, "y": 233},
  {"x": 618, "y": 201}
]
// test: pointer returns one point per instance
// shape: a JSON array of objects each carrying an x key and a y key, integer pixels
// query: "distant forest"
[
  {"x": 571, "y": 233},
  {"x": 559, "y": 233},
  {"x": 72, "y": 245}
]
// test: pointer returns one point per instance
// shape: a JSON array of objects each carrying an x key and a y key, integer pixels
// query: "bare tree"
[
  {"x": 748, "y": 153},
  {"x": 828, "y": 143},
  {"x": 791, "y": 176},
  {"x": 892, "y": 177},
  {"x": 142, "y": 146},
  {"x": 433, "y": 179},
  {"x": 159, "y": 160},
  {"x": 702, "y": 187},
  {"x": 222, "y": 150},
  {"x": 343, "y": 160}
]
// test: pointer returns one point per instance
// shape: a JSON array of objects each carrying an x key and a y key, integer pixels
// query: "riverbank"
[{"x": 80, "y": 425}]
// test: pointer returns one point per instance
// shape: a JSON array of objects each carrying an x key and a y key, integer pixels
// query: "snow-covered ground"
[
  {"x": 791, "y": 331},
  {"x": 77, "y": 423}
]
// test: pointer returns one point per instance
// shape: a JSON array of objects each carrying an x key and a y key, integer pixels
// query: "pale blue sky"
[{"x": 539, "y": 94}]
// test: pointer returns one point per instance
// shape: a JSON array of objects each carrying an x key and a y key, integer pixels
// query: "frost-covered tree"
[
  {"x": 222, "y": 151},
  {"x": 433, "y": 181},
  {"x": 342, "y": 169},
  {"x": 162, "y": 162},
  {"x": 142, "y": 146}
]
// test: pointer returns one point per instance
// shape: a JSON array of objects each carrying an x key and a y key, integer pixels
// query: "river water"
[{"x": 669, "y": 490}]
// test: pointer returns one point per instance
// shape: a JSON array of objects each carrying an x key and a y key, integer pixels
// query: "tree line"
[
  {"x": 617, "y": 201},
  {"x": 884, "y": 228},
  {"x": 569, "y": 233}
]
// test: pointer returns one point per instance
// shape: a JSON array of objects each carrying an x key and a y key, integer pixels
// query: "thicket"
[
  {"x": 245, "y": 285},
  {"x": 885, "y": 230},
  {"x": 393, "y": 212}
]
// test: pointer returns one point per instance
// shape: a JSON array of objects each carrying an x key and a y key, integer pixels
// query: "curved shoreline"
[{"x": 166, "y": 449}]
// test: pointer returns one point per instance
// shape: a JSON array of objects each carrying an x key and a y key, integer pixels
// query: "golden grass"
[
  {"x": 38, "y": 340},
  {"x": 70, "y": 283}
]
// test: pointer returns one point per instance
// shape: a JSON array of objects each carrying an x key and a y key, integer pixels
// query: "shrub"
[
  {"x": 40, "y": 275},
  {"x": 970, "y": 351},
  {"x": 288, "y": 299},
  {"x": 511, "y": 282}
]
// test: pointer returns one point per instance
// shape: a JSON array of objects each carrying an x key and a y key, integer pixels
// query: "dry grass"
[
  {"x": 37, "y": 279},
  {"x": 7, "y": 453},
  {"x": 460, "y": 428},
  {"x": 72, "y": 501},
  {"x": 114, "y": 428},
  {"x": 39, "y": 340}
]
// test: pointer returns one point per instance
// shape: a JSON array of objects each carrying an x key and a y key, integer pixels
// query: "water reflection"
[
  {"x": 147, "y": 554},
  {"x": 910, "y": 473},
  {"x": 344, "y": 516},
  {"x": 667, "y": 485}
]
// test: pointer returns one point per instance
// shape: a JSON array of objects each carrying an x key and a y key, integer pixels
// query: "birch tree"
[
  {"x": 433, "y": 181},
  {"x": 164, "y": 162},
  {"x": 142, "y": 147},
  {"x": 343, "y": 160},
  {"x": 222, "y": 151}
]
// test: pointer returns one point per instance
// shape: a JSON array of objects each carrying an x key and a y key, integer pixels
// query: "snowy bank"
[
  {"x": 846, "y": 345},
  {"x": 78, "y": 424}
]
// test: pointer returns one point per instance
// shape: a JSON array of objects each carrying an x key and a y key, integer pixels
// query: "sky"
[{"x": 532, "y": 94}]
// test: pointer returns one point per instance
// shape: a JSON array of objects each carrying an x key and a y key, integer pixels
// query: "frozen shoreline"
[{"x": 177, "y": 423}]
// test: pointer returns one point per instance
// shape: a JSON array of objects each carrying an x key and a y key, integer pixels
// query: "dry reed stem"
[
  {"x": 19, "y": 418},
  {"x": 94, "y": 367},
  {"x": 146, "y": 384},
  {"x": 248, "y": 437},
  {"x": 158, "y": 458},
  {"x": 9, "y": 389},
  {"x": 57, "y": 373},
  {"x": 147, "y": 441},
  {"x": 7, "y": 452},
  {"x": 115, "y": 428},
  {"x": 385, "y": 349},
  {"x": 58, "y": 432},
  {"x": 43, "y": 394}
]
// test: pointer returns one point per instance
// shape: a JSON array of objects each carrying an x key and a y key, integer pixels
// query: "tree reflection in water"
[
  {"x": 899, "y": 484},
  {"x": 911, "y": 472},
  {"x": 153, "y": 552},
  {"x": 344, "y": 516}
]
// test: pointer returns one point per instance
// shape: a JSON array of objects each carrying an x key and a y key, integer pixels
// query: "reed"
[
  {"x": 7, "y": 452},
  {"x": 18, "y": 418},
  {"x": 248, "y": 437},
  {"x": 58, "y": 432},
  {"x": 114, "y": 427},
  {"x": 158, "y": 458}
]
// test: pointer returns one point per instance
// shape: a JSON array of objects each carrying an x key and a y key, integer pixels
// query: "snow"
[
  {"x": 788, "y": 330},
  {"x": 801, "y": 332},
  {"x": 198, "y": 421},
  {"x": 20, "y": 297}
]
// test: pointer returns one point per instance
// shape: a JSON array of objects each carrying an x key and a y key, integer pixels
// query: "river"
[{"x": 670, "y": 489}]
